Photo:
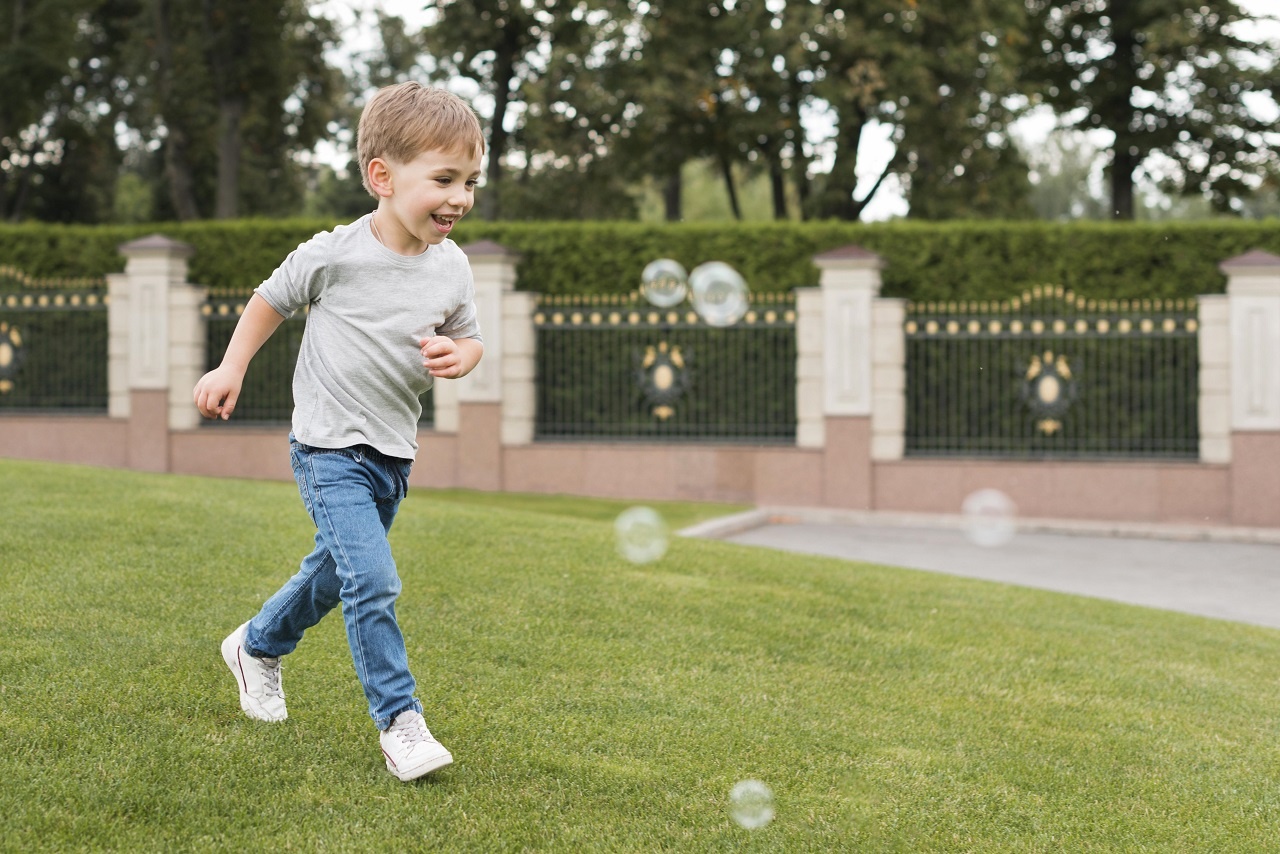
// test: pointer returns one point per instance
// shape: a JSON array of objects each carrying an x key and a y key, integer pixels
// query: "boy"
[{"x": 391, "y": 307}]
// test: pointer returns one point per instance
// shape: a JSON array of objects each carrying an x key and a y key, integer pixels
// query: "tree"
[
  {"x": 56, "y": 113},
  {"x": 674, "y": 78},
  {"x": 493, "y": 42},
  {"x": 939, "y": 74},
  {"x": 1168, "y": 77},
  {"x": 233, "y": 90}
]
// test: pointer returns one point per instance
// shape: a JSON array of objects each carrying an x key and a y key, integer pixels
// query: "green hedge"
[{"x": 961, "y": 260}]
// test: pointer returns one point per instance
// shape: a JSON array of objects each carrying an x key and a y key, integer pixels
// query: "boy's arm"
[
  {"x": 217, "y": 391},
  {"x": 450, "y": 358}
]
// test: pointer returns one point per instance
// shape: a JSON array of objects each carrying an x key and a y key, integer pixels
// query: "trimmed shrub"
[{"x": 941, "y": 261}]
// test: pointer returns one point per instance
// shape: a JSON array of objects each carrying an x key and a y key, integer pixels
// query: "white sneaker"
[
  {"x": 261, "y": 695},
  {"x": 410, "y": 748}
]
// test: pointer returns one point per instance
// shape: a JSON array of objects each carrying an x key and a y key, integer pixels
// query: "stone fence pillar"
[
  {"x": 888, "y": 379},
  {"x": 1214, "y": 399},
  {"x": 519, "y": 402},
  {"x": 842, "y": 322},
  {"x": 811, "y": 430},
  {"x": 1253, "y": 315},
  {"x": 473, "y": 407},
  {"x": 155, "y": 346},
  {"x": 1253, "y": 287}
]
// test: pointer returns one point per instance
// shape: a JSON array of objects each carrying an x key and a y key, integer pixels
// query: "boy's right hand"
[{"x": 217, "y": 391}]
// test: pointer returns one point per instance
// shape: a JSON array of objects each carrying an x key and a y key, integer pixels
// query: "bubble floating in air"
[
  {"x": 990, "y": 517},
  {"x": 641, "y": 534},
  {"x": 720, "y": 294},
  {"x": 751, "y": 804},
  {"x": 664, "y": 283}
]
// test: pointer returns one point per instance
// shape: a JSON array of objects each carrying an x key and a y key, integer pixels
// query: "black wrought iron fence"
[
  {"x": 614, "y": 367},
  {"x": 267, "y": 394},
  {"x": 1050, "y": 374},
  {"x": 53, "y": 343}
]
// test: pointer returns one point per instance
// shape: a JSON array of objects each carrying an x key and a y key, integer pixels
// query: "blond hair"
[{"x": 402, "y": 121}]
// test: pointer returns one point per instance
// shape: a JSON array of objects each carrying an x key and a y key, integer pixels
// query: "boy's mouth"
[{"x": 444, "y": 223}]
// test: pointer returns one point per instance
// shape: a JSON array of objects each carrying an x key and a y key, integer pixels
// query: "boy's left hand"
[{"x": 440, "y": 357}]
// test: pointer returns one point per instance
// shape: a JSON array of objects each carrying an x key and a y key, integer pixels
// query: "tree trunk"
[
  {"x": 804, "y": 188},
  {"x": 726, "y": 171},
  {"x": 837, "y": 200},
  {"x": 671, "y": 197},
  {"x": 1122, "y": 166},
  {"x": 778, "y": 189},
  {"x": 177, "y": 165},
  {"x": 504, "y": 68},
  {"x": 230, "y": 112}
]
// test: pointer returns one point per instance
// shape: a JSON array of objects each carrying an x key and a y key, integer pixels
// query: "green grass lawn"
[{"x": 595, "y": 705}]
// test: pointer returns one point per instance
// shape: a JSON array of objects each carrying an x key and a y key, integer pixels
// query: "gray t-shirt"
[{"x": 360, "y": 373}]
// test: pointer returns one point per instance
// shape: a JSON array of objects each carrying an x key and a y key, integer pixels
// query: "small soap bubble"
[
  {"x": 641, "y": 534},
  {"x": 720, "y": 294},
  {"x": 664, "y": 282},
  {"x": 990, "y": 517},
  {"x": 751, "y": 804}
]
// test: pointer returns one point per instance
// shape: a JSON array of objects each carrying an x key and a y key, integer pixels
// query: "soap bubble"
[
  {"x": 720, "y": 294},
  {"x": 664, "y": 283},
  {"x": 990, "y": 517},
  {"x": 751, "y": 804},
  {"x": 641, "y": 534}
]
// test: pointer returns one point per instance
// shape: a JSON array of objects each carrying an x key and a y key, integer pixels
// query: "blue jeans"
[{"x": 352, "y": 495}]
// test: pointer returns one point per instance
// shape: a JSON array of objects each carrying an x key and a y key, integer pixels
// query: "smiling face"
[{"x": 420, "y": 200}]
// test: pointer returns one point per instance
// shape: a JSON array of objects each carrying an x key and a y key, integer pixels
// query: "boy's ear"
[{"x": 380, "y": 177}]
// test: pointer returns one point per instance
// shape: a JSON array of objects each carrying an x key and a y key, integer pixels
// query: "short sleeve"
[{"x": 299, "y": 280}]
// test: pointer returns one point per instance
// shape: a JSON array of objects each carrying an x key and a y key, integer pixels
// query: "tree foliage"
[
  {"x": 1175, "y": 82},
  {"x": 57, "y": 151},
  {"x": 216, "y": 106},
  {"x": 231, "y": 89}
]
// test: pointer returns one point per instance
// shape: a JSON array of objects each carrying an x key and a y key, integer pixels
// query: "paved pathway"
[{"x": 1223, "y": 573}]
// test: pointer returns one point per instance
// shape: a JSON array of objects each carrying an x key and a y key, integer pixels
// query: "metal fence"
[
  {"x": 267, "y": 394},
  {"x": 1050, "y": 374},
  {"x": 53, "y": 343},
  {"x": 614, "y": 367}
]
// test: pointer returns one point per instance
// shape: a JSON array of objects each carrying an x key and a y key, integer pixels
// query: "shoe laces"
[
  {"x": 410, "y": 728},
  {"x": 271, "y": 677}
]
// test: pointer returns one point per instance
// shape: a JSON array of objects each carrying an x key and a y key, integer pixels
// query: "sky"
[{"x": 876, "y": 147}]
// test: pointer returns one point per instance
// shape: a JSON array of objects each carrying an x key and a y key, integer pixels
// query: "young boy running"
[{"x": 390, "y": 302}]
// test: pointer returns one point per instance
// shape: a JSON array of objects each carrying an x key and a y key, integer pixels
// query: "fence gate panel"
[
  {"x": 615, "y": 367},
  {"x": 53, "y": 343},
  {"x": 1050, "y": 374}
]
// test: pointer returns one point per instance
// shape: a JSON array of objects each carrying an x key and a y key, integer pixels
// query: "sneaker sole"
[
  {"x": 425, "y": 768},
  {"x": 231, "y": 657}
]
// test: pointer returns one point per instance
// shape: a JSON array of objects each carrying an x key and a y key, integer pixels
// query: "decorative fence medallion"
[
  {"x": 1049, "y": 390},
  {"x": 11, "y": 356},
  {"x": 664, "y": 377}
]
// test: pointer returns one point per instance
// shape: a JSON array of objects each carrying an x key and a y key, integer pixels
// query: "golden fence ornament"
[
  {"x": 664, "y": 377},
  {"x": 12, "y": 354},
  {"x": 1049, "y": 390}
]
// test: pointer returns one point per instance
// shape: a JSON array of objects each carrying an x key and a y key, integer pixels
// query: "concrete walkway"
[{"x": 1228, "y": 573}]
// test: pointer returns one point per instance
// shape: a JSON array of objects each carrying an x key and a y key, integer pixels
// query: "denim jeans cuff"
[{"x": 386, "y": 723}]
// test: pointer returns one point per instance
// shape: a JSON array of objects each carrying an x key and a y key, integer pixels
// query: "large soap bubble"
[
  {"x": 990, "y": 517},
  {"x": 664, "y": 283},
  {"x": 751, "y": 804},
  {"x": 720, "y": 294},
  {"x": 641, "y": 534}
]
